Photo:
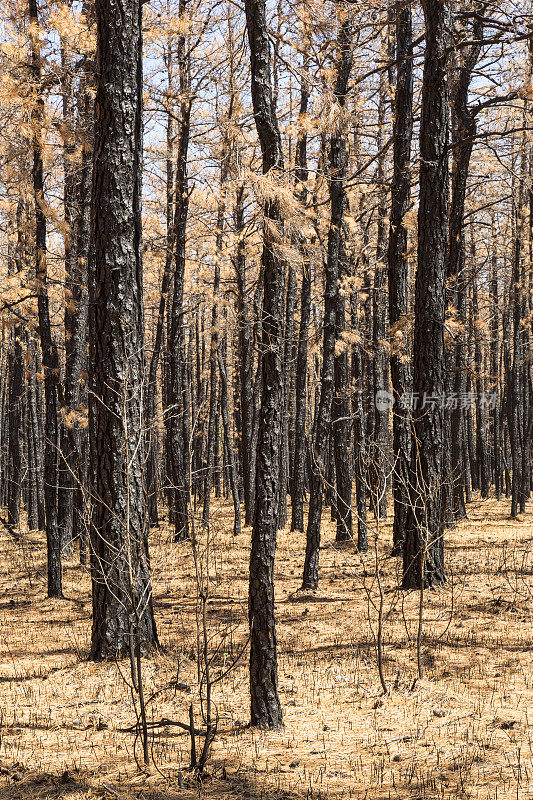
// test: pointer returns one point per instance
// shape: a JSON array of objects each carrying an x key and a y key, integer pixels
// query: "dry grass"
[{"x": 463, "y": 731}]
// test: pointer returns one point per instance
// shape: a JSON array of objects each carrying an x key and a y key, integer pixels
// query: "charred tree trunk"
[
  {"x": 398, "y": 272},
  {"x": 49, "y": 352},
  {"x": 341, "y": 423},
  {"x": 15, "y": 397},
  {"x": 495, "y": 373},
  {"x": 177, "y": 415},
  {"x": 423, "y": 549},
  {"x": 298, "y": 478},
  {"x": 232, "y": 466},
  {"x": 514, "y": 373},
  {"x": 74, "y": 434},
  {"x": 246, "y": 362},
  {"x": 67, "y": 470},
  {"x": 213, "y": 351},
  {"x": 337, "y": 172},
  {"x": 265, "y": 705},
  {"x": 482, "y": 455},
  {"x": 120, "y": 569},
  {"x": 380, "y": 362},
  {"x": 463, "y": 135}
]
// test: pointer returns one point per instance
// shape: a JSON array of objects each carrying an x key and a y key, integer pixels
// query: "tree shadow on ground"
[{"x": 221, "y": 782}]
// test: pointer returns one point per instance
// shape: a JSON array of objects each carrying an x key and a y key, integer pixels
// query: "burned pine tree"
[
  {"x": 120, "y": 570},
  {"x": 338, "y": 157},
  {"x": 423, "y": 557},
  {"x": 265, "y": 704}
]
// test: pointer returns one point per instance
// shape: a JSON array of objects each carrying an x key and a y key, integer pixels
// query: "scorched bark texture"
[{"x": 122, "y": 605}]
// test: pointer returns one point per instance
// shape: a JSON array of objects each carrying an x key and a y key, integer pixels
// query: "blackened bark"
[
  {"x": 380, "y": 363},
  {"x": 300, "y": 450},
  {"x": 287, "y": 372},
  {"x": 245, "y": 361},
  {"x": 73, "y": 432},
  {"x": 15, "y": 412},
  {"x": 120, "y": 569},
  {"x": 152, "y": 483},
  {"x": 469, "y": 424},
  {"x": 398, "y": 273},
  {"x": 299, "y": 459},
  {"x": 232, "y": 467},
  {"x": 359, "y": 433},
  {"x": 178, "y": 439},
  {"x": 482, "y": 455},
  {"x": 265, "y": 705},
  {"x": 463, "y": 134},
  {"x": 423, "y": 562},
  {"x": 35, "y": 436},
  {"x": 49, "y": 351},
  {"x": 65, "y": 500},
  {"x": 341, "y": 422},
  {"x": 514, "y": 373},
  {"x": 213, "y": 351},
  {"x": 495, "y": 372},
  {"x": 15, "y": 396},
  {"x": 338, "y": 158}
]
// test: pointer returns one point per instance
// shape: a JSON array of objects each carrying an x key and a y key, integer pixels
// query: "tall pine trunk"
[
  {"x": 50, "y": 358},
  {"x": 399, "y": 271},
  {"x": 265, "y": 704},
  {"x": 338, "y": 158},
  {"x": 121, "y": 583},
  {"x": 423, "y": 549}
]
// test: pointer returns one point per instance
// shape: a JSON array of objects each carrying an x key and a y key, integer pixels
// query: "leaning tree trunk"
[
  {"x": 265, "y": 705},
  {"x": 337, "y": 173},
  {"x": 121, "y": 583},
  {"x": 423, "y": 562}
]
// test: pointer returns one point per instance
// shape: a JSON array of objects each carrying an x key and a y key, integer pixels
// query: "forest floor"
[{"x": 464, "y": 730}]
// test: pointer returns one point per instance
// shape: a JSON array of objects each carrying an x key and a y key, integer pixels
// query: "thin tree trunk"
[
  {"x": 232, "y": 467},
  {"x": 177, "y": 417},
  {"x": 398, "y": 273},
  {"x": 481, "y": 401},
  {"x": 299, "y": 461},
  {"x": 495, "y": 372},
  {"x": 337, "y": 172},
  {"x": 246, "y": 361},
  {"x": 341, "y": 423},
  {"x": 49, "y": 352},
  {"x": 380, "y": 362}
]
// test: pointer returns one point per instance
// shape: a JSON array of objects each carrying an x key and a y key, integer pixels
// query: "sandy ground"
[{"x": 464, "y": 730}]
